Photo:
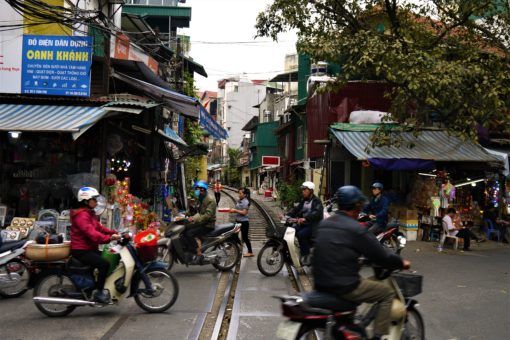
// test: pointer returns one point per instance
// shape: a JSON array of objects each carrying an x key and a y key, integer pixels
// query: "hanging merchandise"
[
  {"x": 436, "y": 204},
  {"x": 135, "y": 212}
]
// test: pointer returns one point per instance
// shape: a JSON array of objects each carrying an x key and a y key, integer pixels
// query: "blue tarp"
[
  {"x": 402, "y": 164},
  {"x": 210, "y": 125}
]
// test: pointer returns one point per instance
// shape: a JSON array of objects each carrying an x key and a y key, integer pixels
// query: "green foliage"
[
  {"x": 289, "y": 193},
  {"x": 452, "y": 68},
  {"x": 233, "y": 172},
  {"x": 192, "y": 135},
  {"x": 189, "y": 87}
]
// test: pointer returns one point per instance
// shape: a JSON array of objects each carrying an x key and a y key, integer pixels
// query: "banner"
[
  {"x": 211, "y": 126},
  {"x": 56, "y": 65}
]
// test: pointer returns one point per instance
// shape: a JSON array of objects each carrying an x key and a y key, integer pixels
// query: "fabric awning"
[
  {"x": 429, "y": 146},
  {"x": 181, "y": 103},
  {"x": 49, "y": 118},
  {"x": 172, "y": 136}
]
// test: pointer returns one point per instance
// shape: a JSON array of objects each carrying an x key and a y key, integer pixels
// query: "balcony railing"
[{"x": 169, "y": 3}]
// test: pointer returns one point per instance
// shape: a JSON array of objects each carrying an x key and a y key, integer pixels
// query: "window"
[
  {"x": 299, "y": 137},
  {"x": 252, "y": 137},
  {"x": 236, "y": 88}
]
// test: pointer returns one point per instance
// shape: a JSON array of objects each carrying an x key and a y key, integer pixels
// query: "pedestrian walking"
[
  {"x": 217, "y": 191},
  {"x": 241, "y": 211}
]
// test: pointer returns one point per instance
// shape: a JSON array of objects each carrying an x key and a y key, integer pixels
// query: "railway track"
[{"x": 218, "y": 323}]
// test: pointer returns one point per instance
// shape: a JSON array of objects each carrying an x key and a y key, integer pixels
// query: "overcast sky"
[{"x": 233, "y": 21}]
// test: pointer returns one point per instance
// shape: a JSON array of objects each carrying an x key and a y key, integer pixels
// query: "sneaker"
[
  {"x": 248, "y": 255},
  {"x": 102, "y": 296}
]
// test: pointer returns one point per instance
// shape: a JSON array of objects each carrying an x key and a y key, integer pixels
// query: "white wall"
[{"x": 238, "y": 107}]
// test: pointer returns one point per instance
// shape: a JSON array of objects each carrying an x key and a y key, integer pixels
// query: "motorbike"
[
  {"x": 220, "y": 248},
  {"x": 390, "y": 237},
  {"x": 14, "y": 273},
  {"x": 64, "y": 285},
  {"x": 325, "y": 316},
  {"x": 280, "y": 248}
]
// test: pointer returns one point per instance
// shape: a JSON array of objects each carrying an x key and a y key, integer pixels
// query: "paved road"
[{"x": 465, "y": 295}]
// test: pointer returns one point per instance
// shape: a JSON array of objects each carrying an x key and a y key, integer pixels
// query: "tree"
[
  {"x": 440, "y": 61},
  {"x": 233, "y": 176}
]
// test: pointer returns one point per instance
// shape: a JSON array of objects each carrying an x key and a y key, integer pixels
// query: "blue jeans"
[{"x": 304, "y": 234}]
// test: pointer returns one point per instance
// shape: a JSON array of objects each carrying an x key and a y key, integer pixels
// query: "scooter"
[
  {"x": 220, "y": 248},
  {"x": 280, "y": 248},
  {"x": 390, "y": 237},
  {"x": 14, "y": 273},
  {"x": 64, "y": 285},
  {"x": 329, "y": 317}
]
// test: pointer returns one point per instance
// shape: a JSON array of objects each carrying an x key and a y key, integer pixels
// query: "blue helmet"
[
  {"x": 378, "y": 185},
  {"x": 349, "y": 197},
  {"x": 201, "y": 185}
]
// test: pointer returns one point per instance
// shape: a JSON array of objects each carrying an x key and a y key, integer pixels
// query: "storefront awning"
[
  {"x": 49, "y": 118},
  {"x": 172, "y": 136},
  {"x": 181, "y": 103},
  {"x": 429, "y": 146}
]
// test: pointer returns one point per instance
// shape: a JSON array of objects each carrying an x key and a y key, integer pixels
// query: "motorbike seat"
[
  {"x": 328, "y": 302},
  {"x": 176, "y": 229},
  {"x": 73, "y": 264},
  {"x": 220, "y": 229},
  {"x": 12, "y": 245}
]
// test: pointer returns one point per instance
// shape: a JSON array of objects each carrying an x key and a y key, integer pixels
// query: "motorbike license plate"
[{"x": 288, "y": 330}]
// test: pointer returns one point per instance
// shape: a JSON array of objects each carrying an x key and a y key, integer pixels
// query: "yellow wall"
[{"x": 46, "y": 29}]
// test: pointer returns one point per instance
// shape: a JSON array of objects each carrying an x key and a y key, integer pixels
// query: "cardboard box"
[
  {"x": 408, "y": 214},
  {"x": 411, "y": 235}
]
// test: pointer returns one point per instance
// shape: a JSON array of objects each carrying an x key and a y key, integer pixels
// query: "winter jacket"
[
  {"x": 339, "y": 244},
  {"x": 379, "y": 207},
  {"x": 206, "y": 213},
  {"x": 86, "y": 231},
  {"x": 313, "y": 217}
]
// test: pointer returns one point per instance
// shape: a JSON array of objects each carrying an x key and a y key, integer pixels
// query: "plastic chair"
[{"x": 489, "y": 229}]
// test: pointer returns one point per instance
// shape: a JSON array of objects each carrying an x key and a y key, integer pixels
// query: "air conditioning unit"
[{"x": 319, "y": 69}]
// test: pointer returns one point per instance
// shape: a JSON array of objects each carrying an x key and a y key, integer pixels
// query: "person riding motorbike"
[
  {"x": 86, "y": 235},
  {"x": 309, "y": 213},
  {"x": 377, "y": 209},
  {"x": 339, "y": 244},
  {"x": 202, "y": 222}
]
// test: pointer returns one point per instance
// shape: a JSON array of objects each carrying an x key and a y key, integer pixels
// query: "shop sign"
[
  {"x": 121, "y": 48},
  {"x": 270, "y": 161},
  {"x": 56, "y": 65},
  {"x": 211, "y": 126}
]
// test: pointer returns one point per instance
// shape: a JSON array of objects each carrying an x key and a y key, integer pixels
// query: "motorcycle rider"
[
  {"x": 86, "y": 235},
  {"x": 309, "y": 213},
  {"x": 202, "y": 222},
  {"x": 378, "y": 208},
  {"x": 339, "y": 244}
]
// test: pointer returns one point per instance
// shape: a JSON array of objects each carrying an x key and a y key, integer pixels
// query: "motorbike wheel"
[
  {"x": 270, "y": 260},
  {"x": 54, "y": 285},
  {"x": 308, "y": 333},
  {"x": 230, "y": 255},
  {"x": 414, "y": 329},
  {"x": 165, "y": 255},
  {"x": 18, "y": 267},
  {"x": 164, "y": 295}
]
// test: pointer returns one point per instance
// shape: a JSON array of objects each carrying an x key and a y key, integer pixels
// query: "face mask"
[{"x": 197, "y": 193}]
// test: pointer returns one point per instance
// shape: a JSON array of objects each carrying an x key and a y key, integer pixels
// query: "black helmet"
[
  {"x": 348, "y": 197},
  {"x": 378, "y": 185}
]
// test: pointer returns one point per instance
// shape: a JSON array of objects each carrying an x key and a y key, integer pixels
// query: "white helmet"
[
  {"x": 86, "y": 193},
  {"x": 308, "y": 185}
]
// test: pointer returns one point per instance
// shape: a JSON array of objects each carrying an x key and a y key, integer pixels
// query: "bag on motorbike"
[
  {"x": 110, "y": 257},
  {"x": 147, "y": 244}
]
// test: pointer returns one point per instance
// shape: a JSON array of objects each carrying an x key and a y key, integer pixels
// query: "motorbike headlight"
[{"x": 401, "y": 241}]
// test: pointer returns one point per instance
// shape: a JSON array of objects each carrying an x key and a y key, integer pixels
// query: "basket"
[
  {"x": 409, "y": 284},
  {"x": 113, "y": 259},
  {"x": 48, "y": 252},
  {"x": 279, "y": 232},
  {"x": 147, "y": 253}
]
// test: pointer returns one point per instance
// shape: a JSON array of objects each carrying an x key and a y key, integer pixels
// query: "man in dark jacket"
[
  {"x": 378, "y": 208},
  {"x": 309, "y": 213},
  {"x": 339, "y": 244}
]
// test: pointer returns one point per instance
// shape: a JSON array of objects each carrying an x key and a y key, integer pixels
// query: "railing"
[{"x": 169, "y": 3}]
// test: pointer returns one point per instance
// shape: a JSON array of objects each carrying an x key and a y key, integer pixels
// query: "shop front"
[{"x": 439, "y": 171}]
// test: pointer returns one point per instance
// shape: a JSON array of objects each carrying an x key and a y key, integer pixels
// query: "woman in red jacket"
[{"x": 86, "y": 235}]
